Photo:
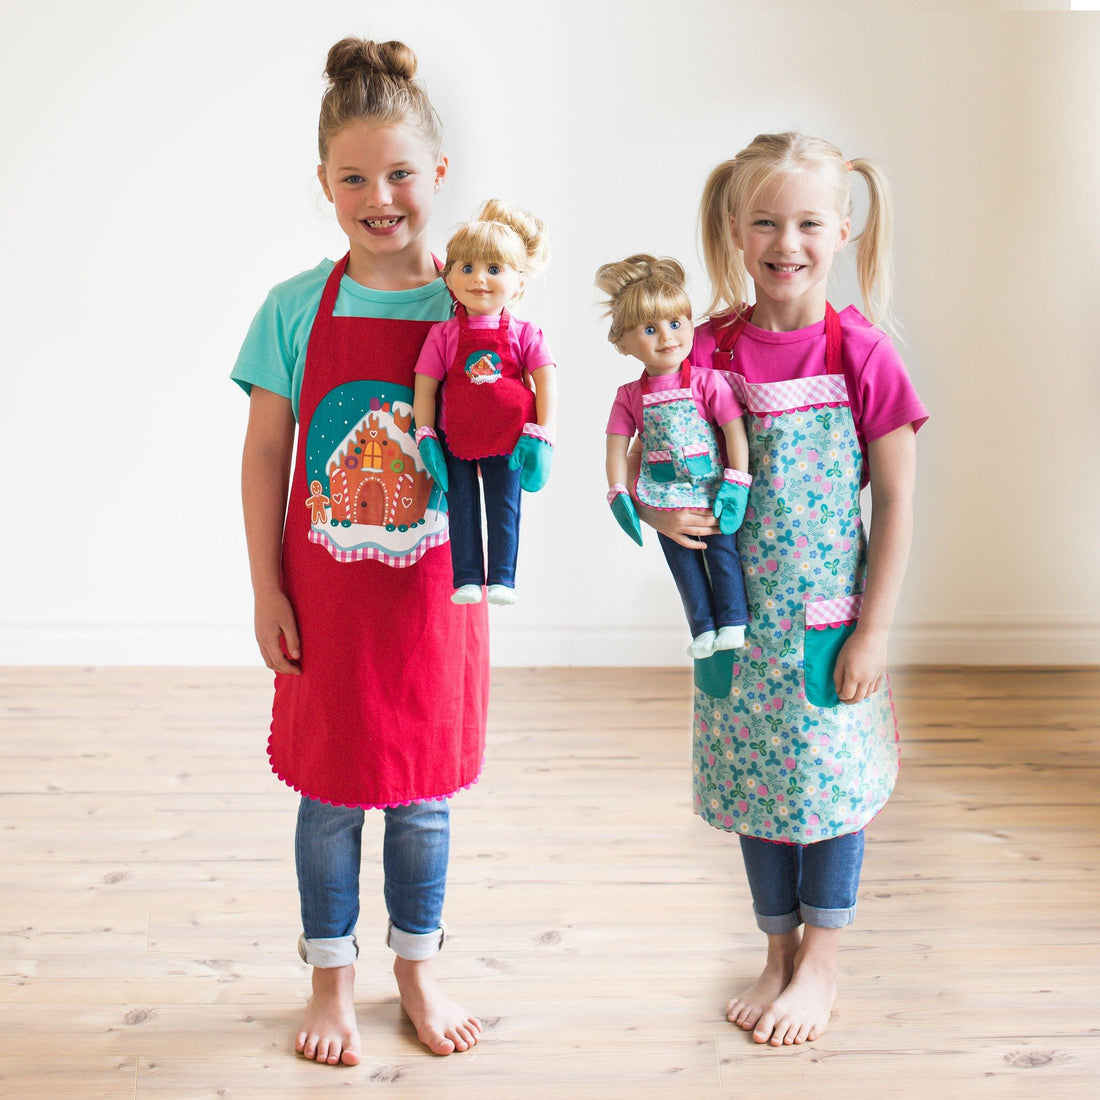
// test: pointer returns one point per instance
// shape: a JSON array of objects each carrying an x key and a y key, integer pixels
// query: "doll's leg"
[
  {"x": 414, "y": 857},
  {"x": 773, "y": 874},
  {"x": 464, "y": 513},
  {"x": 827, "y": 902},
  {"x": 502, "y": 514},
  {"x": 727, "y": 584},
  {"x": 327, "y": 848},
  {"x": 690, "y": 575}
]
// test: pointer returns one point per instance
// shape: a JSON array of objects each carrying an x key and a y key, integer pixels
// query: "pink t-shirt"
[
  {"x": 713, "y": 398},
  {"x": 881, "y": 395}
]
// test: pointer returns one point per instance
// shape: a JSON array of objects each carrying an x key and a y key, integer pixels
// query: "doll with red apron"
[
  {"x": 488, "y": 406},
  {"x": 776, "y": 755},
  {"x": 391, "y": 701}
]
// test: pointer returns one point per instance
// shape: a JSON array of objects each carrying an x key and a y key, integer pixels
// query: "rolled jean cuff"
[
  {"x": 827, "y": 918},
  {"x": 780, "y": 925},
  {"x": 414, "y": 946},
  {"x": 327, "y": 953}
]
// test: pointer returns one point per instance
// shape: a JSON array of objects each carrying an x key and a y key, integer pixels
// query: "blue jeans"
[
  {"x": 502, "y": 507},
  {"x": 792, "y": 883},
  {"x": 327, "y": 846},
  {"x": 710, "y": 582}
]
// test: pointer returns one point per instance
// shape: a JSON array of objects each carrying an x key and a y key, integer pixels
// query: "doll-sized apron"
[
  {"x": 775, "y": 753},
  {"x": 487, "y": 397},
  {"x": 391, "y": 701},
  {"x": 681, "y": 463}
]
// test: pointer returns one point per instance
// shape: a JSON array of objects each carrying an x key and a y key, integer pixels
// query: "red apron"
[
  {"x": 488, "y": 400},
  {"x": 391, "y": 702}
]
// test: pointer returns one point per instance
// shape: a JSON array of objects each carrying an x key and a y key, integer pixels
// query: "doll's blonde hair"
[
  {"x": 374, "y": 81},
  {"x": 734, "y": 187},
  {"x": 641, "y": 289},
  {"x": 500, "y": 233}
]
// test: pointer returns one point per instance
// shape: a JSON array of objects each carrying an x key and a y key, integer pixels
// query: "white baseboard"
[{"x": 1016, "y": 643}]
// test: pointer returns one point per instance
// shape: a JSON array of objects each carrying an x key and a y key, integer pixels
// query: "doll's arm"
[
  {"x": 733, "y": 493},
  {"x": 546, "y": 397},
  {"x": 534, "y": 450},
  {"x": 687, "y": 526},
  {"x": 425, "y": 388},
  {"x": 861, "y": 663},
  {"x": 618, "y": 496},
  {"x": 737, "y": 444},
  {"x": 265, "y": 478}
]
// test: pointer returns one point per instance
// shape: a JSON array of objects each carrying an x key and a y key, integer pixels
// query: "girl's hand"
[
  {"x": 687, "y": 526},
  {"x": 275, "y": 624},
  {"x": 860, "y": 666}
]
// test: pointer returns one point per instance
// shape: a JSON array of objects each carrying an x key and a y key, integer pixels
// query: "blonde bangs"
[{"x": 486, "y": 243}]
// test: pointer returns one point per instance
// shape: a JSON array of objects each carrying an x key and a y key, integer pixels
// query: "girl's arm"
[
  {"x": 546, "y": 397},
  {"x": 265, "y": 477},
  {"x": 687, "y": 526},
  {"x": 861, "y": 663}
]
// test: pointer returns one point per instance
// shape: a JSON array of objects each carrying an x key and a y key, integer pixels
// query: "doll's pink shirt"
[
  {"x": 881, "y": 394},
  {"x": 714, "y": 399}
]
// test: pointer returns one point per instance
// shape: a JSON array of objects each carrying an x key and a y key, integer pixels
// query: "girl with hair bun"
[
  {"x": 480, "y": 364},
  {"x": 795, "y": 743},
  {"x": 675, "y": 410},
  {"x": 352, "y": 577}
]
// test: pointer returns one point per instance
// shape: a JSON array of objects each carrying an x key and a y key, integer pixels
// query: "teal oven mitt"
[
  {"x": 729, "y": 504},
  {"x": 533, "y": 453},
  {"x": 626, "y": 515},
  {"x": 431, "y": 454}
]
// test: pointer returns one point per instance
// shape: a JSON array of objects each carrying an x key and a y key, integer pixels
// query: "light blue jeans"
[
  {"x": 792, "y": 883},
  {"x": 327, "y": 848}
]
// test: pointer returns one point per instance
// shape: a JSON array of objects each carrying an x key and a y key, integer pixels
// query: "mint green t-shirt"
[{"x": 273, "y": 355}]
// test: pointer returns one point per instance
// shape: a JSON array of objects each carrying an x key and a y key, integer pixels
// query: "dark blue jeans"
[
  {"x": 792, "y": 883},
  {"x": 327, "y": 848},
  {"x": 710, "y": 582},
  {"x": 502, "y": 506}
]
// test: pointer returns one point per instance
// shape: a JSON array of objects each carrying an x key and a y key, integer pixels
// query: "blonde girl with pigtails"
[
  {"x": 486, "y": 397},
  {"x": 693, "y": 450},
  {"x": 795, "y": 742}
]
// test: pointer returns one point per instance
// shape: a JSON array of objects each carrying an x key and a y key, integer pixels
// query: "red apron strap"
[
  {"x": 833, "y": 362},
  {"x": 728, "y": 333},
  {"x": 332, "y": 288},
  {"x": 685, "y": 378}
]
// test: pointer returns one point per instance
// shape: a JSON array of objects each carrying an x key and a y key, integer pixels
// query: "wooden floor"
[{"x": 148, "y": 914}]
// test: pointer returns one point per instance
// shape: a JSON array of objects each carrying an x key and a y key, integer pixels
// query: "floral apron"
[
  {"x": 775, "y": 754},
  {"x": 681, "y": 464},
  {"x": 488, "y": 401},
  {"x": 391, "y": 701}
]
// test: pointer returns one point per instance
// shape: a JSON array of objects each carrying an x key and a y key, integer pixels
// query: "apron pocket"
[
  {"x": 829, "y": 624},
  {"x": 697, "y": 460},
  {"x": 660, "y": 466}
]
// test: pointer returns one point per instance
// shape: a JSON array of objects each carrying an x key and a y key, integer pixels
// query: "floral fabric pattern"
[
  {"x": 766, "y": 762},
  {"x": 681, "y": 464}
]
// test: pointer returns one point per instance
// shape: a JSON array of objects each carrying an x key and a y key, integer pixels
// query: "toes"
[
  {"x": 350, "y": 1057},
  {"x": 764, "y": 1029},
  {"x": 443, "y": 1045}
]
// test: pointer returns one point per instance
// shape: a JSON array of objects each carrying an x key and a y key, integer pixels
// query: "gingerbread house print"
[{"x": 373, "y": 481}]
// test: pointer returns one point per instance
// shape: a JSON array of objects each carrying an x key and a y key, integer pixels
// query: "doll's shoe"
[
  {"x": 730, "y": 637},
  {"x": 468, "y": 593},
  {"x": 702, "y": 645},
  {"x": 501, "y": 595}
]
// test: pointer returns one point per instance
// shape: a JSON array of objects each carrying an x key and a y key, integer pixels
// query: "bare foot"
[
  {"x": 440, "y": 1024},
  {"x": 748, "y": 1006},
  {"x": 801, "y": 1012},
  {"x": 329, "y": 1032}
]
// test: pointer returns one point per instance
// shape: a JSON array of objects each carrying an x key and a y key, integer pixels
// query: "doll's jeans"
[
  {"x": 710, "y": 582},
  {"x": 795, "y": 883},
  {"x": 502, "y": 507},
  {"x": 327, "y": 848}
]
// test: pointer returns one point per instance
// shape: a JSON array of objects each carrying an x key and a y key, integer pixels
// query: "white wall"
[{"x": 159, "y": 177}]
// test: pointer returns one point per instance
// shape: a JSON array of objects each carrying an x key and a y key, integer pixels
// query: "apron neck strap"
[
  {"x": 464, "y": 320},
  {"x": 685, "y": 378},
  {"x": 728, "y": 334},
  {"x": 332, "y": 287}
]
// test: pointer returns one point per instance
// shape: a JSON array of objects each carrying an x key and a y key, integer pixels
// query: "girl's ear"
[
  {"x": 845, "y": 233},
  {"x": 440, "y": 173},
  {"x": 734, "y": 234},
  {"x": 324, "y": 182}
]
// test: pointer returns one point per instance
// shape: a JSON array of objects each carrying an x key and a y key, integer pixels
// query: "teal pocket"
[
  {"x": 660, "y": 468},
  {"x": 822, "y": 646},
  {"x": 699, "y": 465}
]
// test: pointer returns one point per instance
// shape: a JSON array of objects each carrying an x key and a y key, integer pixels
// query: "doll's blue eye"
[
  {"x": 674, "y": 324},
  {"x": 650, "y": 330},
  {"x": 467, "y": 269},
  {"x": 494, "y": 269}
]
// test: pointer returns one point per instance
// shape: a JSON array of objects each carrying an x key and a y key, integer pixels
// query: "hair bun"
[
  {"x": 614, "y": 278},
  {"x": 352, "y": 58}
]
